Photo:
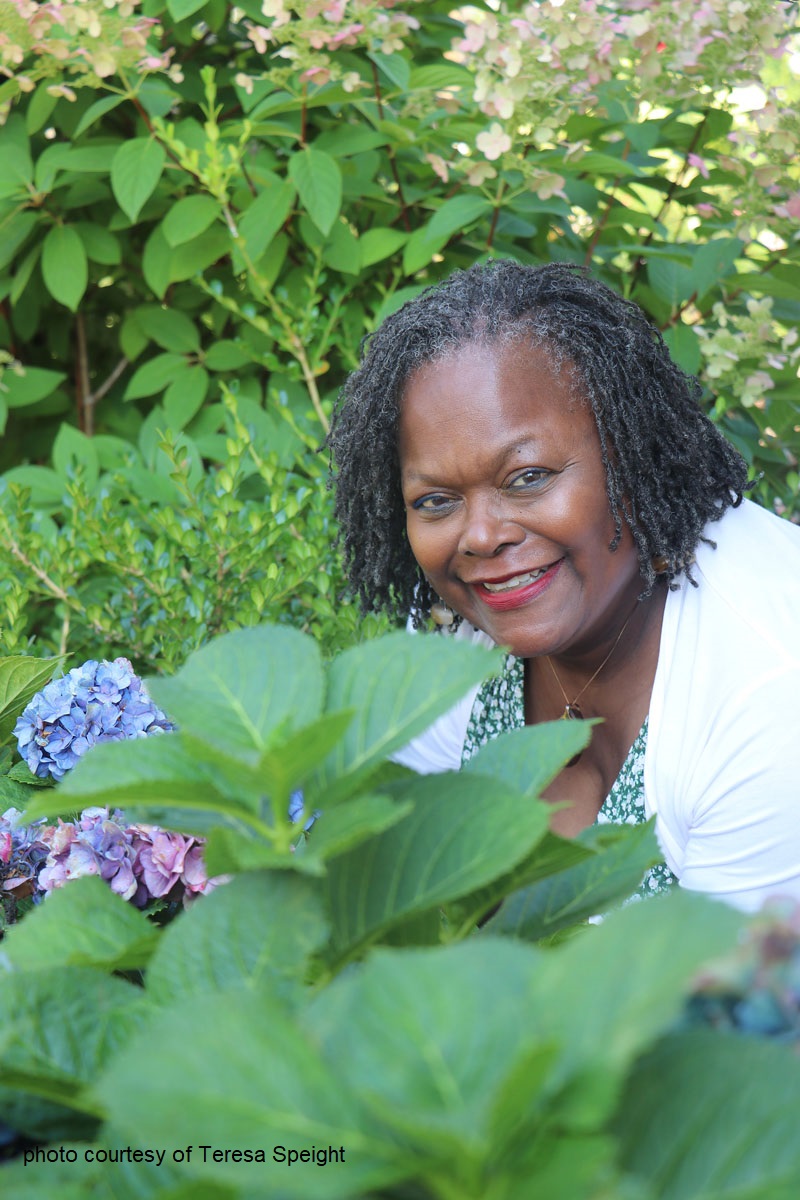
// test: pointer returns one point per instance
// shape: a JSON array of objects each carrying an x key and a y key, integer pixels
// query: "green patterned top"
[{"x": 500, "y": 707}]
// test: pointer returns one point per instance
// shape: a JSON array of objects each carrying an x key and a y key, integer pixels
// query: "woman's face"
[{"x": 506, "y": 505}]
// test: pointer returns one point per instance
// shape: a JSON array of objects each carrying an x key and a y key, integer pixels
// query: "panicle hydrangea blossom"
[
  {"x": 141, "y": 863},
  {"x": 97, "y": 702}
]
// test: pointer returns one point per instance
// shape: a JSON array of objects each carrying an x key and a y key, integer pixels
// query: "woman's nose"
[{"x": 488, "y": 527}]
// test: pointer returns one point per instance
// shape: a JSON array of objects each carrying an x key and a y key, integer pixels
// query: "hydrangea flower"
[
  {"x": 141, "y": 863},
  {"x": 97, "y": 702},
  {"x": 22, "y": 853}
]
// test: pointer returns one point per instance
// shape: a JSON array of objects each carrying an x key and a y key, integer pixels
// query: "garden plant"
[
  {"x": 344, "y": 990},
  {"x": 204, "y": 207}
]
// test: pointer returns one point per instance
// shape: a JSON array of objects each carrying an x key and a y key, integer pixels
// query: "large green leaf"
[
  {"x": 180, "y": 9},
  {"x": 350, "y": 823},
  {"x": 737, "y": 1137},
  {"x": 169, "y": 328},
  {"x": 263, "y": 219},
  {"x": 260, "y": 928},
  {"x": 163, "y": 778},
  {"x": 453, "y": 216},
  {"x": 154, "y": 375},
  {"x": 463, "y": 832},
  {"x": 30, "y": 388},
  {"x": 621, "y": 855},
  {"x": 83, "y": 924},
  {"x": 49, "y": 1057},
  {"x": 240, "y": 689},
  {"x": 189, "y": 217},
  {"x": 396, "y": 685},
  {"x": 231, "y": 1070},
  {"x": 21, "y": 677},
  {"x": 135, "y": 170},
  {"x": 319, "y": 182},
  {"x": 64, "y": 265},
  {"x": 531, "y": 757}
]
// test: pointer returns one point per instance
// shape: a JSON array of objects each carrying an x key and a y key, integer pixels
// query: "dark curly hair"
[{"x": 669, "y": 470}]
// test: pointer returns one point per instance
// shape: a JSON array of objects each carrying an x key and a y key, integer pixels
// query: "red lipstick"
[{"x": 505, "y": 601}]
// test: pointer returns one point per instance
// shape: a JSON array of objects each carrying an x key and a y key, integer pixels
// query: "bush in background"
[{"x": 202, "y": 200}]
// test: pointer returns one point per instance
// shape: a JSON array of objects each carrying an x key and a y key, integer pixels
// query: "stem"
[
  {"x": 304, "y": 116},
  {"x": 85, "y": 415}
]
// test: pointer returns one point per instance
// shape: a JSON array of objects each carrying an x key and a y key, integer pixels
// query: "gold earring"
[{"x": 660, "y": 564}]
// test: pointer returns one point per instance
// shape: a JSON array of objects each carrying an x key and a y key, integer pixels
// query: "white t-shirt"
[{"x": 722, "y": 765}]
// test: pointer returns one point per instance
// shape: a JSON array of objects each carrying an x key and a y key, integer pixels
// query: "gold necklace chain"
[{"x": 572, "y": 710}]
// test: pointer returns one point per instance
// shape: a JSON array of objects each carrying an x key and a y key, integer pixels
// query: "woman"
[{"x": 518, "y": 454}]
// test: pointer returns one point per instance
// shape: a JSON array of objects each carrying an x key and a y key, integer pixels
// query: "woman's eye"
[
  {"x": 432, "y": 504},
  {"x": 534, "y": 477}
]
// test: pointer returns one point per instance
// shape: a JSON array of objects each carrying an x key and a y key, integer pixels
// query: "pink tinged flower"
[
  {"x": 319, "y": 75},
  {"x": 245, "y": 82},
  {"x": 707, "y": 210},
  {"x": 792, "y": 207},
  {"x": 439, "y": 166},
  {"x": 194, "y": 870},
  {"x": 699, "y": 164},
  {"x": 6, "y": 846},
  {"x": 493, "y": 142},
  {"x": 259, "y": 36}
]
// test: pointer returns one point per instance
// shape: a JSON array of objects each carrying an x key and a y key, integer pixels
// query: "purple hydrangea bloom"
[
  {"x": 22, "y": 853},
  {"x": 97, "y": 702}
]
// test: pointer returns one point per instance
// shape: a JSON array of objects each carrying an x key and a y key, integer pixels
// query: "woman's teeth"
[{"x": 508, "y": 585}]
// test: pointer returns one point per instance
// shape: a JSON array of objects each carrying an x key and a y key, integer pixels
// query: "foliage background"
[{"x": 205, "y": 207}]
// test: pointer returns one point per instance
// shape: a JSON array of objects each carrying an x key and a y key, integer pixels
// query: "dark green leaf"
[
  {"x": 155, "y": 375},
  {"x": 623, "y": 853},
  {"x": 529, "y": 758},
  {"x": 453, "y": 216},
  {"x": 465, "y": 830},
  {"x": 100, "y": 245},
  {"x": 180, "y": 9},
  {"x": 263, "y": 219},
  {"x": 736, "y": 1140},
  {"x": 169, "y": 328},
  {"x": 269, "y": 924},
  {"x": 185, "y": 396},
  {"x": 350, "y": 823},
  {"x": 95, "y": 111}
]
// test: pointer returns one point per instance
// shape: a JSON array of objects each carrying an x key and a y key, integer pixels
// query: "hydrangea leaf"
[
  {"x": 222, "y": 1098},
  {"x": 82, "y": 924},
  {"x": 53, "y": 1057},
  {"x": 21, "y": 677},
  {"x": 240, "y": 689},
  {"x": 269, "y": 922},
  {"x": 397, "y": 685},
  {"x": 590, "y": 886},
  {"x": 135, "y": 170},
  {"x": 531, "y": 757},
  {"x": 738, "y": 1136},
  {"x": 464, "y": 831}
]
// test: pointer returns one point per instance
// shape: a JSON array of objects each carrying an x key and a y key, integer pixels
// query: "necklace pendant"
[{"x": 571, "y": 713}]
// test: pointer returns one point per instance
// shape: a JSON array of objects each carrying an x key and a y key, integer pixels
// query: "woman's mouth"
[{"x": 505, "y": 594}]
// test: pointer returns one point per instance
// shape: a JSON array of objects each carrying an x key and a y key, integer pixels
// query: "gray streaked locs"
[{"x": 668, "y": 469}]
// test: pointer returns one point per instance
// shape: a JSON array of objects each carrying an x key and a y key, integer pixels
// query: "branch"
[{"x": 390, "y": 152}]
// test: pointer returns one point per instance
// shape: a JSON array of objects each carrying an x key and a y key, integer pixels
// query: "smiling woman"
[{"x": 518, "y": 454}]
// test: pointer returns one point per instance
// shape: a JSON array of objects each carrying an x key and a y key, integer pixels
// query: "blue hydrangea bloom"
[{"x": 97, "y": 702}]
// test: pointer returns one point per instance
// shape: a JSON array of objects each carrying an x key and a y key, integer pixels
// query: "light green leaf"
[
  {"x": 180, "y": 9},
  {"x": 377, "y": 244},
  {"x": 190, "y": 258},
  {"x": 156, "y": 262},
  {"x": 465, "y": 830},
  {"x": 40, "y": 106},
  {"x": 672, "y": 281},
  {"x": 394, "y": 67},
  {"x": 157, "y": 777},
  {"x": 81, "y": 925},
  {"x": 17, "y": 174},
  {"x": 71, "y": 448},
  {"x": 97, "y": 110},
  {"x": 713, "y": 261},
  {"x": 237, "y": 691},
  {"x": 46, "y": 487},
  {"x": 64, "y": 267},
  {"x": 169, "y": 328},
  {"x": 263, "y": 219},
  {"x": 185, "y": 396},
  {"x": 737, "y": 1140},
  {"x": 16, "y": 232},
  {"x": 37, "y": 383},
  {"x": 342, "y": 250},
  {"x": 452, "y": 217},
  {"x": 270, "y": 923},
  {"x": 226, "y": 355},
  {"x": 623, "y": 853},
  {"x": 684, "y": 346},
  {"x": 319, "y": 182},
  {"x": 21, "y": 678},
  {"x": 396, "y": 685},
  {"x": 155, "y": 375},
  {"x": 135, "y": 170},
  {"x": 220, "y": 1097},
  {"x": 529, "y": 758},
  {"x": 189, "y": 217},
  {"x": 350, "y": 823},
  {"x": 23, "y": 274}
]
